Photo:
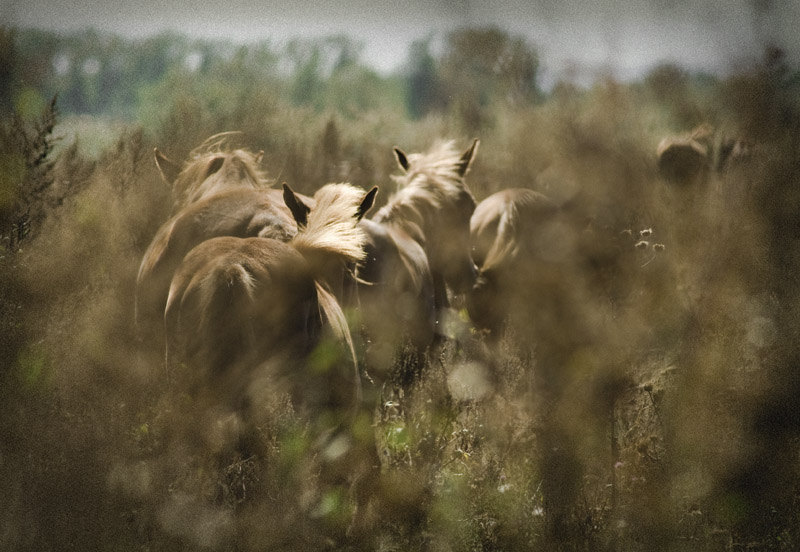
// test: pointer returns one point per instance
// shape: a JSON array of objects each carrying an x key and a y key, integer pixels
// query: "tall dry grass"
[{"x": 649, "y": 405}]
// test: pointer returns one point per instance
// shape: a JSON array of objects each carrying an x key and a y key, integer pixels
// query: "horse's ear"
[
  {"x": 467, "y": 157},
  {"x": 215, "y": 165},
  {"x": 367, "y": 203},
  {"x": 299, "y": 209},
  {"x": 169, "y": 169},
  {"x": 259, "y": 157},
  {"x": 402, "y": 160}
]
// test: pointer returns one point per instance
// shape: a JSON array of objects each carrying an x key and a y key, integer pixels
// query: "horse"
[
  {"x": 245, "y": 311},
  {"x": 417, "y": 245},
  {"x": 236, "y": 300},
  {"x": 541, "y": 265},
  {"x": 229, "y": 197},
  {"x": 553, "y": 276}
]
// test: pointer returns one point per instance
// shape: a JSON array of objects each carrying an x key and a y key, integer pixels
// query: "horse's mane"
[
  {"x": 432, "y": 181},
  {"x": 332, "y": 231},
  {"x": 215, "y": 143},
  {"x": 331, "y": 226}
]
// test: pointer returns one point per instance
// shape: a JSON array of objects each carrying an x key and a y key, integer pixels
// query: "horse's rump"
[
  {"x": 233, "y": 299},
  {"x": 242, "y": 212}
]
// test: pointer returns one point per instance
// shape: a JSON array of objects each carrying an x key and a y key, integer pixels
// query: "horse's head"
[
  {"x": 434, "y": 193},
  {"x": 209, "y": 170},
  {"x": 329, "y": 235}
]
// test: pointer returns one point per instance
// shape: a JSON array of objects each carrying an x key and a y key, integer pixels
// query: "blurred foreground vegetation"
[{"x": 677, "y": 416}]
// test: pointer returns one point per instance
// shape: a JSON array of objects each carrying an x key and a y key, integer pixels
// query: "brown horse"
[
  {"x": 230, "y": 198},
  {"x": 538, "y": 259},
  {"x": 417, "y": 245},
  {"x": 235, "y": 301},
  {"x": 245, "y": 311}
]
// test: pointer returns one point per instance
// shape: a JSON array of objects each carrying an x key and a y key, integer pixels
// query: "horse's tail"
[
  {"x": 334, "y": 315},
  {"x": 208, "y": 320},
  {"x": 225, "y": 316}
]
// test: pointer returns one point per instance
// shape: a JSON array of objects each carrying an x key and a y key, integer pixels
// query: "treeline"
[
  {"x": 102, "y": 74},
  {"x": 142, "y": 79}
]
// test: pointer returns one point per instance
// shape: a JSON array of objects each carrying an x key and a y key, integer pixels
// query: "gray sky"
[{"x": 581, "y": 38}]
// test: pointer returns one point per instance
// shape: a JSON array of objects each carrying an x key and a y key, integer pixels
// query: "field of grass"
[{"x": 652, "y": 407}]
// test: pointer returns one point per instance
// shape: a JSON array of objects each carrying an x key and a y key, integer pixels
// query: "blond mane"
[
  {"x": 332, "y": 233},
  {"x": 331, "y": 226},
  {"x": 432, "y": 181},
  {"x": 432, "y": 176}
]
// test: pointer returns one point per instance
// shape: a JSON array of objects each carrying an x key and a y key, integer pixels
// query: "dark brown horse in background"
[
  {"x": 417, "y": 245},
  {"x": 218, "y": 193}
]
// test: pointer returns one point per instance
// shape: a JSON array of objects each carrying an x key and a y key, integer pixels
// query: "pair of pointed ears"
[
  {"x": 170, "y": 170},
  {"x": 300, "y": 209},
  {"x": 461, "y": 167}
]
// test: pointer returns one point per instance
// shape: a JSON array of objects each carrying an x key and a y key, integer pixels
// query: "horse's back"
[{"x": 243, "y": 212}]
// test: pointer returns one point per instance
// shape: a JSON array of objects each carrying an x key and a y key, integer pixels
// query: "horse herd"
[
  {"x": 242, "y": 271},
  {"x": 244, "y": 276}
]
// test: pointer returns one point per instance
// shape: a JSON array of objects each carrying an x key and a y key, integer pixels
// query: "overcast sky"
[{"x": 580, "y": 37}]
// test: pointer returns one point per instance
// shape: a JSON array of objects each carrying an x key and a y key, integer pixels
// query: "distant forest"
[{"x": 107, "y": 75}]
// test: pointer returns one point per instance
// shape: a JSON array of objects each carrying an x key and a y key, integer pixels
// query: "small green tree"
[
  {"x": 482, "y": 66},
  {"x": 25, "y": 173},
  {"x": 423, "y": 90}
]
